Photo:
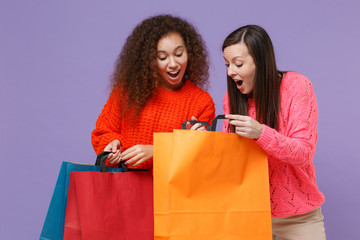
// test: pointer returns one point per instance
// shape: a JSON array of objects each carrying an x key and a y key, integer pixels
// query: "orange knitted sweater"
[{"x": 164, "y": 111}]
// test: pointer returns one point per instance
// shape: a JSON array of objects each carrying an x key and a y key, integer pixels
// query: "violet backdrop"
[{"x": 56, "y": 58}]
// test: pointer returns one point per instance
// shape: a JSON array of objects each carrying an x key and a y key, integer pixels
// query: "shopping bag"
[
  {"x": 53, "y": 227},
  {"x": 210, "y": 185},
  {"x": 108, "y": 205}
]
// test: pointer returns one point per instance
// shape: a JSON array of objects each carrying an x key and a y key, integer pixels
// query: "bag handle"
[
  {"x": 100, "y": 161},
  {"x": 209, "y": 128},
  {"x": 214, "y": 122},
  {"x": 192, "y": 122}
]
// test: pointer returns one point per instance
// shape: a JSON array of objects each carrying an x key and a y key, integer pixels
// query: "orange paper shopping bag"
[{"x": 210, "y": 185}]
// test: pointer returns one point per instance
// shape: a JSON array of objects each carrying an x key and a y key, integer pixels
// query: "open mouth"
[
  {"x": 173, "y": 74},
  {"x": 239, "y": 83}
]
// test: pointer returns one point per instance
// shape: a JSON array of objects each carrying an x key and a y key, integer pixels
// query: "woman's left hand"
[
  {"x": 196, "y": 126},
  {"x": 245, "y": 126},
  {"x": 137, "y": 154}
]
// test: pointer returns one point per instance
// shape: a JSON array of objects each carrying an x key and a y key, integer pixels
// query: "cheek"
[
  {"x": 252, "y": 79},
  {"x": 161, "y": 66},
  {"x": 251, "y": 73},
  {"x": 184, "y": 64},
  {"x": 184, "y": 60}
]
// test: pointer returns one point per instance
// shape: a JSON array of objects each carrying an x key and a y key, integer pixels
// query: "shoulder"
[
  {"x": 117, "y": 96},
  {"x": 226, "y": 97},
  {"x": 294, "y": 83},
  {"x": 195, "y": 92}
]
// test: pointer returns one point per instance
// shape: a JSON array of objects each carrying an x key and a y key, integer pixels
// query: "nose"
[
  {"x": 230, "y": 71},
  {"x": 172, "y": 62}
]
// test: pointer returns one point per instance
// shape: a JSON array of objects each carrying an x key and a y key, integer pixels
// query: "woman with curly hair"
[{"x": 156, "y": 87}]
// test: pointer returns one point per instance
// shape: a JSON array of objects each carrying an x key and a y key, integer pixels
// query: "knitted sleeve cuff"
[{"x": 264, "y": 140}]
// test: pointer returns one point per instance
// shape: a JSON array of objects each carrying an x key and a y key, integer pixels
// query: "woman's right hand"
[{"x": 115, "y": 148}]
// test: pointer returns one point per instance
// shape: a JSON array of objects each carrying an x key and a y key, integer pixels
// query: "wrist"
[{"x": 261, "y": 130}]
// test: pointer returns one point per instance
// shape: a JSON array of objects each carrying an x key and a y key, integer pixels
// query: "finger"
[
  {"x": 115, "y": 160},
  {"x": 196, "y": 126},
  {"x": 134, "y": 159},
  {"x": 203, "y": 128},
  {"x": 188, "y": 125},
  {"x": 108, "y": 148},
  {"x": 138, "y": 162},
  {"x": 239, "y": 132},
  {"x": 235, "y": 117},
  {"x": 139, "y": 159},
  {"x": 231, "y": 116},
  {"x": 236, "y": 123},
  {"x": 193, "y": 118},
  {"x": 112, "y": 156},
  {"x": 128, "y": 153},
  {"x": 114, "y": 146},
  {"x": 242, "y": 131},
  {"x": 130, "y": 149}
]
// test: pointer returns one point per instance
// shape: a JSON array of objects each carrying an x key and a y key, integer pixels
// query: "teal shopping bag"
[{"x": 54, "y": 222}]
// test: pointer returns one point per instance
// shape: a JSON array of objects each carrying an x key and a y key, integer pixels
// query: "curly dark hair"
[{"x": 136, "y": 75}]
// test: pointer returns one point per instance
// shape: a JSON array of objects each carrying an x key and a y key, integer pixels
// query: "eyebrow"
[
  {"x": 234, "y": 58},
  {"x": 178, "y": 47}
]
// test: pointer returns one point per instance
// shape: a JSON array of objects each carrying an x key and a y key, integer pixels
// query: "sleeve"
[
  {"x": 226, "y": 110},
  {"x": 207, "y": 109},
  {"x": 298, "y": 142},
  {"x": 107, "y": 125}
]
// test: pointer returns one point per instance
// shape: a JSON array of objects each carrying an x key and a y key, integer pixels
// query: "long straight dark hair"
[{"x": 266, "y": 92}]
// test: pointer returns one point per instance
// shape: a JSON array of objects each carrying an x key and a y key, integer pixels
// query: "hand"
[
  {"x": 196, "y": 126},
  {"x": 115, "y": 148},
  {"x": 245, "y": 126},
  {"x": 137, "y": 154}
]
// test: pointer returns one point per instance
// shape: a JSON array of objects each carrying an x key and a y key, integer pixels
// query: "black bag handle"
[
  {"x": 192, "y": 122},
  {"x": 214, "y": 122},
  {"x": 209, "y": 128},
  {"x": 100, "y": 161},
  {"x": 101, "y": 158}
]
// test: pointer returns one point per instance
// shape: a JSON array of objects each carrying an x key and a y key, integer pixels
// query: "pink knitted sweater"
[{"x": 290, "y": 150}]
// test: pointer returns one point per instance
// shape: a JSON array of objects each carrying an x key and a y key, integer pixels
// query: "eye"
[
  {"x": 239, "y": 65},
  {"x": 227, "y": 65},
  {"x": 179, "y": 54},
  {"x": 161, "y": 58}
]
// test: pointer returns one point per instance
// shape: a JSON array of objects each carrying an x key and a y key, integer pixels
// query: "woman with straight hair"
[{"x": 278, "y": 110}]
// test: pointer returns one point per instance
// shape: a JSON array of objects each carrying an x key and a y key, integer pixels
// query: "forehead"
[
  {"x": 239, "y": 50},
  {"x": 170, "y": 41}
]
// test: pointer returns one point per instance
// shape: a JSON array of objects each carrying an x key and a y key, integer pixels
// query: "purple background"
[{"x": 56, "y": 58}]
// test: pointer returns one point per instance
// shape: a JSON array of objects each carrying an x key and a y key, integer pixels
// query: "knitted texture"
[
  {"x": 163, "y": 112},
  {"x": 293, "y": 188}
]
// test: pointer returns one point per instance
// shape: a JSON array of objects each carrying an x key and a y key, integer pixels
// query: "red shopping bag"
[{"x": 108, "y": 205}]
